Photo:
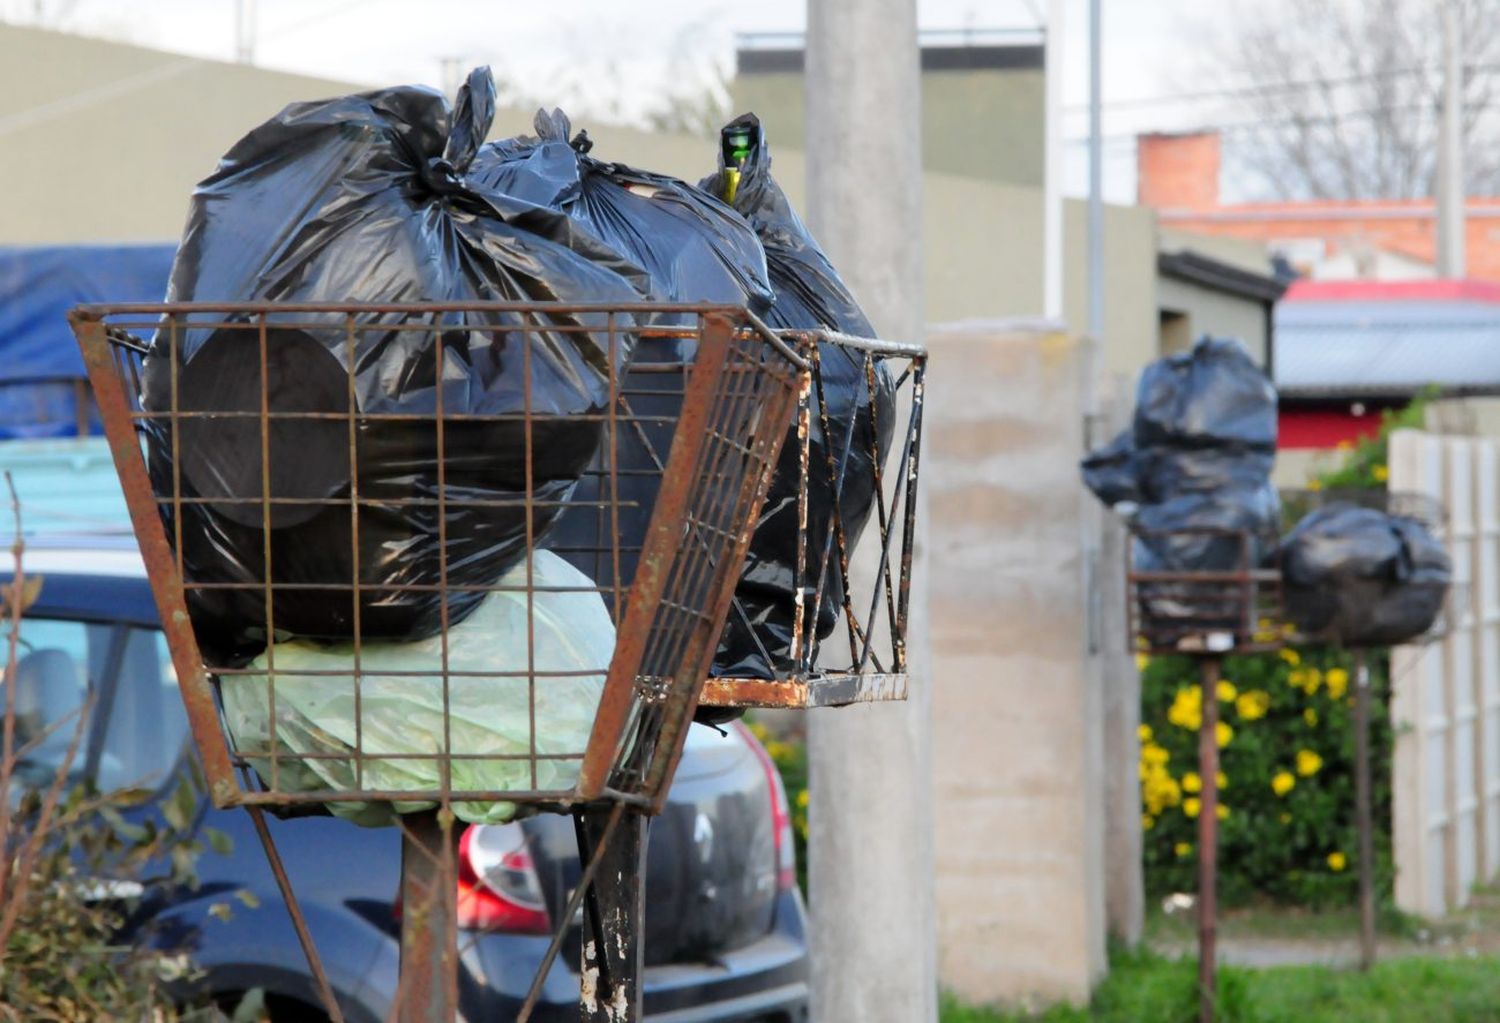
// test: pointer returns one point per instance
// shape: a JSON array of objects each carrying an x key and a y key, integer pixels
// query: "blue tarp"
[{"x": 39, "y": 359}]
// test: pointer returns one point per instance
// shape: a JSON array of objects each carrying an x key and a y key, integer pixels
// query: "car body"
[{"x": 724, "y": 930}]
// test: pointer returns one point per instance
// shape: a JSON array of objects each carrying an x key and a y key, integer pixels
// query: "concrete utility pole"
[
  {"x": 1451, "y": 225},
  {"x": 870, "y": 848},
  {"x": 1096, "y": 178}
]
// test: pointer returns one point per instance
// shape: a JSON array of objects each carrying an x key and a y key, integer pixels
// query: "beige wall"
[
  {"x": 985, "y": 123},
  {"x": 1213, "y": 312}
]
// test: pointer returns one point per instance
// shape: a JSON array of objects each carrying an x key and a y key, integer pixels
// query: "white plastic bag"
[{"x": 404, "y": 714}]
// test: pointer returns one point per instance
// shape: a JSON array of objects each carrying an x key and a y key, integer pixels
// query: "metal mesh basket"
[
  {"x": 740, "y": 387},
  {"x": 1234, "y": 608}
]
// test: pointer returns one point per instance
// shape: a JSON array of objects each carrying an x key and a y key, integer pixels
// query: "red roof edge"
[{"x": 1440, "y": 290}]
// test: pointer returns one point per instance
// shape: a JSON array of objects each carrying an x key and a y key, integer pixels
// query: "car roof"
[{"x": 96, "y": 577}]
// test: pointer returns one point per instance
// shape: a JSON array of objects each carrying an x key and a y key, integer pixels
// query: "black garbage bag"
[
  {"x": 859, "y": 408},
  {"x": 1361, "y": 577},
  {"x": 365, "y": 199},
  {"x": 1110, "y": 471}
]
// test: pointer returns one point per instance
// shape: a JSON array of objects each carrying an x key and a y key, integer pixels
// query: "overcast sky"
[{"x": 605, "y": 55}]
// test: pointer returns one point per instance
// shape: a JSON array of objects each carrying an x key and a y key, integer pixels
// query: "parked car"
[{"x": 724, "y": 928}]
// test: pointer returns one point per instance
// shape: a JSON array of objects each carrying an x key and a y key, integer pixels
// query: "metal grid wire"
[
  {"x": 1237, "y": 609},
  {"x": 864, "y": 601},
  {"x": 721, "y": 439}
]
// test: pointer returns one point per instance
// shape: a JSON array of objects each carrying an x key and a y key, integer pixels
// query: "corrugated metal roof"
[{"x": 1386, "y": 347}]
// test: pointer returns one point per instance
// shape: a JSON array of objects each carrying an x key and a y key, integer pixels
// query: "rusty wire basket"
[
  {"x": 1233, "y": 609},
  {"x": 736, "y": 404}
]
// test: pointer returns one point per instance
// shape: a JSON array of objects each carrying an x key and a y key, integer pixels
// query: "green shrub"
[{"x": 1286, "y": 753}]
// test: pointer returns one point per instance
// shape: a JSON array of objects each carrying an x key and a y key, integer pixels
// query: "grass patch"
[{"x": 1146, "y": 988}]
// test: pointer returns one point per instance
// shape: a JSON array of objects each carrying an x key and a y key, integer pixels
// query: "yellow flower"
[
  {"x": 1313, "y": 678},
  {"x": 1337, "y": 861},
  {"x": 1191, "y": 782},
  {"x": 1314, "y": 484},
  {"x": 760, "y": 731},
  {"x": 1290, "y": 656},
  {"x": 1191, "y": 806},
  {"x": 1144, "y": 733},
  {"x": 1187, "y": 708},
  {"x": 1221, "y": 780},
  {"x": 1141, "y": 662},
  {"x": 779, "y": 750},
  {"x": 1338, "y": 682},
  {"x": 803, "y": 798},
  {"x": 1381, "y": 473},
  {"x": 1182, "y": 848},
  {"x": 1147, "y": 822},
  {"x": 1283, "y": 782},
  {"x": 1252, "y": 705},
  {"x": 1310, "y": 716},
  {"x": 1308, "y": 763},
  {"x": 1155, "y": 755},
  {"x": 1223, "y": 733},
  {"x": 1222, "y": 812},
  {"x": 1226, "y": 691}
]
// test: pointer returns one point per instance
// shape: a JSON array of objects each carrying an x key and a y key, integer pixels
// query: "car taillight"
[
  {"x": 498, "y": 889},
  {"x": 781, "y": 812}
]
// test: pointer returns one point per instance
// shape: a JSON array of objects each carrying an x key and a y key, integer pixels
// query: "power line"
[{"x": 1267, "y": 88}]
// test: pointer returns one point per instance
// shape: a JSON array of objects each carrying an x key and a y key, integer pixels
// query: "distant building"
[
  {"x": 983, "y": 100},
  {"x": 1348, "y": 350},
  {"x": 1178, "y": 176}
]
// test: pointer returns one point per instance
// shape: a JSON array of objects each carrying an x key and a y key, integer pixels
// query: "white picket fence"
[{"x": 1445, "y": 694}]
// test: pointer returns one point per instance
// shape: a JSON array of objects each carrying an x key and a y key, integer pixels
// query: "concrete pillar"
[
  {"x": 870, "y": 842},
  {"x": 1019, "y": 705}
]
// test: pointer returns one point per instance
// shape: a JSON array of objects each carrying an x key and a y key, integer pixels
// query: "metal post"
[
  {"x": 428, "y": 988},
  {"x": 614, "y": 907},
  {"x": 1362, "y": 814},
  {"x": 1052, "y": 172},
  {"x": 1450, "y": 185},
  {"x": 1208, "y": 840}
]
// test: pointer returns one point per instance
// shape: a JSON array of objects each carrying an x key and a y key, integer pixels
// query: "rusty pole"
[
  {"x": 1362, "y": 813},
  {"x": 1208, "y": 840},
  {"x": 428, "y": 988}
]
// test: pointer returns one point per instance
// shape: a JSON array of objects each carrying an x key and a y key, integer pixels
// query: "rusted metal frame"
[
  {"x": 445, "y": 765},
  {"x": 429, "y": 919},
  {"x": 878, "y": 460},
  {"x": 873, "y": 345},
  {"x": 839, "y": 689},
  {"x": 1208, "y": 840},
  {"x": 768, "y": 440},
  {"x": 672, "y": 637},
  {"x": 688, "y": 588},
  {"x": 351, "y": 355},
  {"x": 611, "y": 963},
  {"x": 910, "y": 472},
  {"x": 896, "y": 621},
  {"x": 165, "y": 580},
  {"x": 802, "y": 644},
  {"x": 660, "y": 548},
  {"x": 530, "y": 545},
  {"x": 126, "y": 309},
  {"x": 1363, "y": 814},
  {"x": 836, "y": 476},
  {"x": 265, "y": 532},
  {"x": 294, "y": 910},
  {"x": 614, "y": 467},
  {"x": 590, "y": 867}
]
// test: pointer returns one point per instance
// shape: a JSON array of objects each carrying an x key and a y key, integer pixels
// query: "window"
[{"x": 135, "y": 729}]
